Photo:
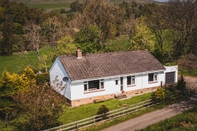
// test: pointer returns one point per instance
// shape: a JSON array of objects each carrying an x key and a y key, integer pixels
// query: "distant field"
[{"x": 58, "y": 4}]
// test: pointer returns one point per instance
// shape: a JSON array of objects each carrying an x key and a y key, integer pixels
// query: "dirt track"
[
  {"x": 151, "y": 118},
  {"x": 158, "y": 115}
]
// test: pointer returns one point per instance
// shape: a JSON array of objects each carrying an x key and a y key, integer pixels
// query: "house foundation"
[{"x": 75, "y": 103}]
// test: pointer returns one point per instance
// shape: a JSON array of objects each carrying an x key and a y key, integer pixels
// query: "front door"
[{"x": 121, "y": 83}]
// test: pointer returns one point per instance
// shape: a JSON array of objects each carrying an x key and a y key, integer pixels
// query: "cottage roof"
[{"x": 109, "y": 64}]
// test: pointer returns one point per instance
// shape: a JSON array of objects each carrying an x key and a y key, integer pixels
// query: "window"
[
  {"x": 130, "y": 80},
  {"x": 116, "y": 82},
  {"x": 102, "y": 83},
  {"x": 152, "y": 77},
  {"x": 93, "y": 85},
  {"x": 85, "y": 86},
  {"x": 133, "y": 80}
]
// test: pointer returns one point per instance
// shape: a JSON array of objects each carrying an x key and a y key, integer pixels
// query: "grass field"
[
  {"x": 59, "y": 4},
  {"x": 17, "y": 62},
  {"x": 81, "y": 112}
]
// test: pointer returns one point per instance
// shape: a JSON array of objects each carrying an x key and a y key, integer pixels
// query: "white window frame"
[
  {"x": 131, "y": 80},
  {"x": 101, "y": 85},
  {"x": 154, "y": 79}
]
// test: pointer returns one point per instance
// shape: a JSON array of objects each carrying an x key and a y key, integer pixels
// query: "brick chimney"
[{"x": 78, "y": 53}]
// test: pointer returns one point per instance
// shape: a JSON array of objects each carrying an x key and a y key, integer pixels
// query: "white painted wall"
[
  {"x": 110, "y": 87},
  {"x": 57, "y": 73},
  {"x": 141, "y": 81},
  {"x": 172, "y": 69}
]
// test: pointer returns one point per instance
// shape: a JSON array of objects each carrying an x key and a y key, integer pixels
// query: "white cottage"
[{"x": 84, "y": 79}]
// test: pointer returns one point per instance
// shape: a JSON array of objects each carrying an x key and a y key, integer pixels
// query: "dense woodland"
[{"x": 167, "y": 30}]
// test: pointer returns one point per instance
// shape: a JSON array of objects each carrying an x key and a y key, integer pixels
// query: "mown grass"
[
  {"x": 17, "y": 62},
  {"x": 186, "y": 121},
  {"x": 107, "y": 124},
  {"x": 81, "y": 112}
]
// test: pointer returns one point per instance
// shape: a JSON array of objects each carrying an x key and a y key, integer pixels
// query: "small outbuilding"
[{"x": 88, "y": 78}]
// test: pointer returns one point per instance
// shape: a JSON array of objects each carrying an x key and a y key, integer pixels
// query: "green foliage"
[
  {"x": 143, "y": 37},
  {"x": 158, "y": 95},
  {"x": 88, "y": 34},
  {"x": 103, "y": 109},
  {"x": 64, "y": 46},
  {"x": 181, "y": 85},
  {"x": 42, "y": 78},
  {"x": 10, "y": 85},
  {"x": 41, "y": 106}
]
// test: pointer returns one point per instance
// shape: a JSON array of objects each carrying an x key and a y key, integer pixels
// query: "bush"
[
  {"x": 181, "y": 85},
  {"x": 158, "y": 95},
  {"x": 103, "y": 109},
  {"x": 42, "y": 78}
]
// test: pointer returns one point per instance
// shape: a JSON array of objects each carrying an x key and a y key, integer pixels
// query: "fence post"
[
  {"x": 94, "y": 120},
  {"x": 76, "y": 124}
]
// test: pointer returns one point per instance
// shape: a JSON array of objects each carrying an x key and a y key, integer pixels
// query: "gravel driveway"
[
  {"x": 151, "y": 118},
  {"x": 191, "y": 82}
]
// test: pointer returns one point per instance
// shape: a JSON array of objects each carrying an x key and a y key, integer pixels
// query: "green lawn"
[
  {"x": 17, "y": 62},
  {"x": 81, "y": 112}
]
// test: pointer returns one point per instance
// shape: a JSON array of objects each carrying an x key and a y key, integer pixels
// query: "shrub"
[
  {"x": 103, "y": 109},
  {"x": 42, "y": 78},
  {"x": 181, "y": 85},
  {"x": 158, "y": 95}
]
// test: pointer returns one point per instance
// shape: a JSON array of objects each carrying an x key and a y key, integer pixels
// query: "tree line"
[{"x": 167, "y": 30}]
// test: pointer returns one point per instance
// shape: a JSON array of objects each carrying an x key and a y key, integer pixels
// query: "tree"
[
  {"x": 88, "y": 39},
  {"x": 142, "y": 37},
  {"x": 64, "y": 46},
  {"x": 181, "y": 85},
  {"x": 156, "y": 22},
  {"x": 105, "y": 16},
  {"x": 11, "y": 84},
  {"x": 53, "y": 29},
  {"x": 42, "y": 106},
  {"x": 180, "y": 16}
]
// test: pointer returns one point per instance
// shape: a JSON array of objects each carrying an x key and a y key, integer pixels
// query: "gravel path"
[{"x": 151, "y": 118}]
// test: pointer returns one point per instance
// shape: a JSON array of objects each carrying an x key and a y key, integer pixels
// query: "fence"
[{"x": 99, "y": 118}]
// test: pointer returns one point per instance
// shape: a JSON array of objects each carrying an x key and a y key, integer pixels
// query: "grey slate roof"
[{"x": 109, "y": 64}]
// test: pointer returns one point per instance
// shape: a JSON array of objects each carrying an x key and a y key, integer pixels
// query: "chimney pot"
[{"x": 78, "y": 53}]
